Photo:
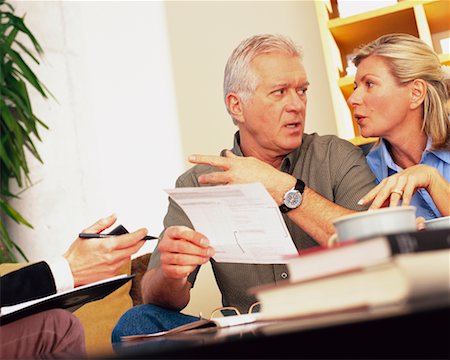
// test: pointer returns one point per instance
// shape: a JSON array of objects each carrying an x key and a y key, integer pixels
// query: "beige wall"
[{"x": 202, "y": 35}]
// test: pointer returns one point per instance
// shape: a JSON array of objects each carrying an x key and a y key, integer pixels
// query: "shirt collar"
[
  {"x": 381, "y": 160},
  {"x": 443, "y": 155},
  {"x": 286, "y": 164}
]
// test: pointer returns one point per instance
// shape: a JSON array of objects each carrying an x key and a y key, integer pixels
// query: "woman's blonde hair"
[{"x": 408, "y": 59}]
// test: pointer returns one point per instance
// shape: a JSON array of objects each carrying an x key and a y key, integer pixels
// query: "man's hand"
[
  {"x": 244, "y": 170},
  {"x": 182, "y": 250},
  {"x": 92, "y": 260}
]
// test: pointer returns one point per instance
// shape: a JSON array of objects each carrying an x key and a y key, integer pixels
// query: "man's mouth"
[{"x": 292, "y": 125}]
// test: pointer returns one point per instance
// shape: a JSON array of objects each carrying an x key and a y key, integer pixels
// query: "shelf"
[
  {"x": 437, "y": 13},
  {"x": 346, "y": 85},
  {"x": 444, "y": 59},
  {"x": 353, "y": 31}
]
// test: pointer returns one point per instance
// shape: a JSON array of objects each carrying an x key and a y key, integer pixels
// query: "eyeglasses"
[{"x": 231, "y": 310}]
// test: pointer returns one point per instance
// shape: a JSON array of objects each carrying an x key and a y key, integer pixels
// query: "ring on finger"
[{"x": 398, "y": 192}]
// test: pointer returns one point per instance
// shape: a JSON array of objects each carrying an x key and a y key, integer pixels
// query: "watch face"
[{"x": 293, "y": 199}]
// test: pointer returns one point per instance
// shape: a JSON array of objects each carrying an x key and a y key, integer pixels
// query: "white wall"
[{"x": 113, "y": 143}]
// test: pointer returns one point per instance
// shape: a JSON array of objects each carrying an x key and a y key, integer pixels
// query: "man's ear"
[
  {"x": 418, "y": 93},
  {"x": 235, "y": 108}
]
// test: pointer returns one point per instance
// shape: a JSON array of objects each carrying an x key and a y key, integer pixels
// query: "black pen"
[{"x": 98, "y": 236}]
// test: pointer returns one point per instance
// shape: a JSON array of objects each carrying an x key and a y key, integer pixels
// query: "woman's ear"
[
  {"x": 418, "y": 93},
  {"x": 235, "y": 108}
]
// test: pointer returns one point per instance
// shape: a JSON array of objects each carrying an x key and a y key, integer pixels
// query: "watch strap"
[{"x": 300, "y": 187}]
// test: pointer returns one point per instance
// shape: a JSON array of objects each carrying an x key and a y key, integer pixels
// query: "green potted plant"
[{"x": 18, "y": 123}]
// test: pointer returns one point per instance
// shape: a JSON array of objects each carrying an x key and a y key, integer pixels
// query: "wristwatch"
[{"x": 293, "y": 197}]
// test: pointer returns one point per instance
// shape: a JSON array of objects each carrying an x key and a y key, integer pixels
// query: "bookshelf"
[{"x": 426, "y": 19}]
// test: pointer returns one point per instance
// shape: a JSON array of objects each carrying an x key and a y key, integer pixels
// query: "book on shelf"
[
  {"x": 69, "y": 300},
  {"x": 407, "y": 278},
  {"x": 352, "y": 255},
  {"x": 219, "y": 322}
]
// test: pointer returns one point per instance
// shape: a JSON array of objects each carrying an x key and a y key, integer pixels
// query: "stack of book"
[{"x": 386, "y": 270}]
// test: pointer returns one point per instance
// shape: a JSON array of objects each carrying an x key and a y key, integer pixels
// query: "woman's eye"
[{"x": 369, "y": 84}]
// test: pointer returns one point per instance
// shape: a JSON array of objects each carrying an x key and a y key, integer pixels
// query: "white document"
[{"x": 242, "y": 222}]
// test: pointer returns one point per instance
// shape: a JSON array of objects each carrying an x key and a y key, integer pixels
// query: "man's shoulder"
[{"x": 315, "y": 140}]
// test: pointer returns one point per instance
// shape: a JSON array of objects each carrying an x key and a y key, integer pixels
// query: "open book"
[
  {"x": 70, "y": 300},
  {"x": 219, "y": 322}
]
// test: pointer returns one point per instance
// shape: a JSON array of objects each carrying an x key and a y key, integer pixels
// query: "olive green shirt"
[{"x": 332, "y": 167}]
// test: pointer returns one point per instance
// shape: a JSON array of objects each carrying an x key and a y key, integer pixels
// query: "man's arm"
[
  {"x": 89, "y": 260},
  {"x": 315, "y": 213},
  {"x": 92, "y": 260},
  {"x": 181, "y": 250},
  {"x": 28, "y": 283}
]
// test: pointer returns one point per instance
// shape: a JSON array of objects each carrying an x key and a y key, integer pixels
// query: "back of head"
[
  {"x": 408, "y": 59},
  {"x": 238, "y": 77}
]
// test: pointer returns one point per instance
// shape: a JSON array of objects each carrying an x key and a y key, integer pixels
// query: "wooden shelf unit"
[{"x": 426, "y": 19}]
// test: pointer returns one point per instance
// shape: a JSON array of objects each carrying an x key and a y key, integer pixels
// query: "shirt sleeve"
[
  {"x": 61, "y": 273},
  {"x": 30, "y": 282}
]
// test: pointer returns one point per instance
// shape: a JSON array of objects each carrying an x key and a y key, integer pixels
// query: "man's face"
[{"x": 273, "y": 119}]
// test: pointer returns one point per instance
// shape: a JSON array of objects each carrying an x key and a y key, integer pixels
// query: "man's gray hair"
[{"x": 238, "y": 78}]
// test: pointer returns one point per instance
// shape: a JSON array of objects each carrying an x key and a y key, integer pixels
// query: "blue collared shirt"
[{"x": 382, "y": 165}]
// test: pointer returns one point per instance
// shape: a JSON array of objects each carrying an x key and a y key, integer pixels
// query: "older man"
[{"x": 313, "y": 178}]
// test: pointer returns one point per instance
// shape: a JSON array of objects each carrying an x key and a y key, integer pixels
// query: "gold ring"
[{"x": 399, "y": 192}]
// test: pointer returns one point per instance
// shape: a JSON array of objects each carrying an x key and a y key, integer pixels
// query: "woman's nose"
[{"x": 354, "y": 99}]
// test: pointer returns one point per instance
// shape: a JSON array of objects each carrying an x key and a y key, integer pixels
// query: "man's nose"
[{"x": 297, "y": 102}]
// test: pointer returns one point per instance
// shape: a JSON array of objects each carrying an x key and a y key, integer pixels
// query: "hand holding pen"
[
  {"x": 99, "y": 236},
  {"x": 98, "y": 258}
]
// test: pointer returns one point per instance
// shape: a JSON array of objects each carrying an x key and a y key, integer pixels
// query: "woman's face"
[{"x": 380, "y": 104}]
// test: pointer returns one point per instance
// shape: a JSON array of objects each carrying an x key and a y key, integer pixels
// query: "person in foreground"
[
  {"x": 400, "y": 96},
  {"x": 265, "y": 87},
  {"x": 58, "y": 333}
]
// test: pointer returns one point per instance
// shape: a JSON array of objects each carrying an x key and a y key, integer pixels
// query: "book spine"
[{"x": 419, "y": 241}]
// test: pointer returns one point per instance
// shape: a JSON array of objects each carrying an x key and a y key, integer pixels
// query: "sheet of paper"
[{"x": 242, "y": 222}]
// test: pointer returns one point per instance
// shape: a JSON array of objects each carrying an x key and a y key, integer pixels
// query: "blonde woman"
[{"x": 400, "y": 96}]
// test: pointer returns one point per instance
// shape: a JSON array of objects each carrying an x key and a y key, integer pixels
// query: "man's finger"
[
  {"x": 101, "y": 225},
  {"x": 213, "y": 160},
  {"x": 128, "y": 240},
  {"x": 183, "y": 232}
]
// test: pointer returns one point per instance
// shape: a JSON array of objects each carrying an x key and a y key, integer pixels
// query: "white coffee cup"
[
  {"x": 439, "y": 223},
  {"x": 376, "y": 222}
]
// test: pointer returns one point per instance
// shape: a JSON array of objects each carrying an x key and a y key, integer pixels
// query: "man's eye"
[
  {"x": 302, "y": 91},
  {"x": 279, "y": 92}
]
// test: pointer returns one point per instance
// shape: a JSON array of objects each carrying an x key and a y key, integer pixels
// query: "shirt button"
[{"x": 284, "y": 275}]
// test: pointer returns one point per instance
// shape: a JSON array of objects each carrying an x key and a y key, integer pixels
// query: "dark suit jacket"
[{"x": 28, "y": 283}]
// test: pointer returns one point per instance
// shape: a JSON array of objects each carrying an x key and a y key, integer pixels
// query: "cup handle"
[{"x": 332, "y": 240}]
